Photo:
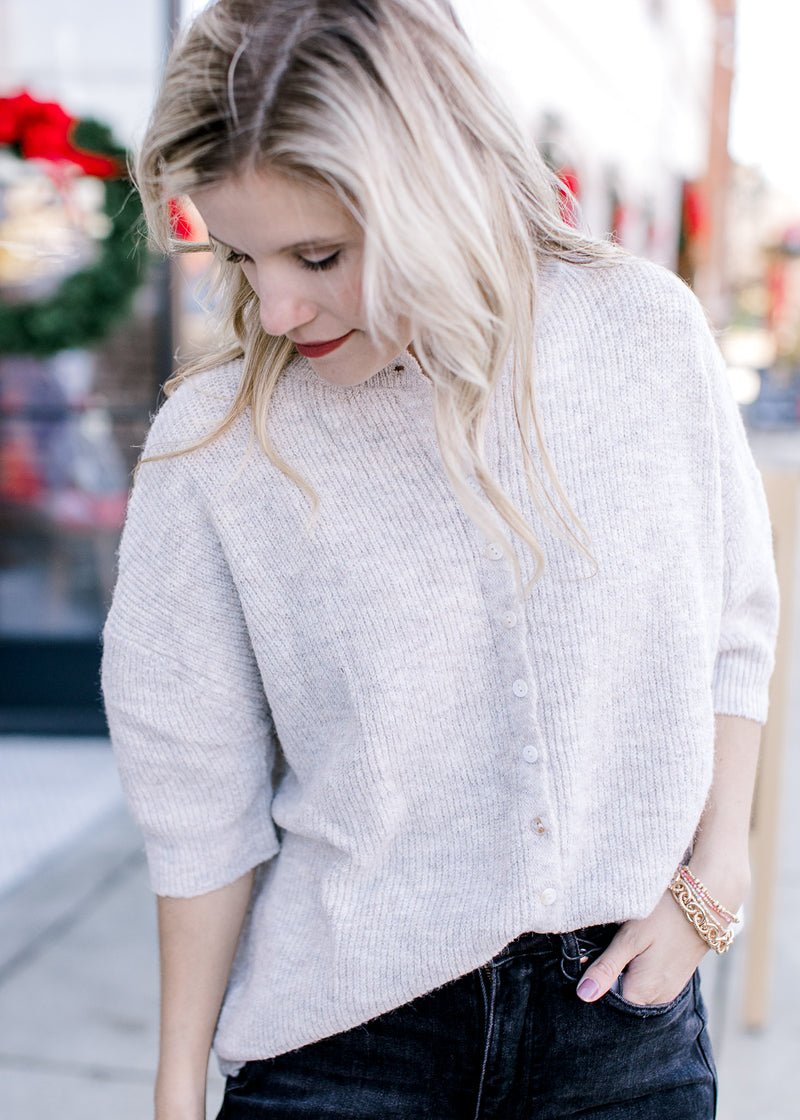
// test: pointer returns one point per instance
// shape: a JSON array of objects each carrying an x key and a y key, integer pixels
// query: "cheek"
[{"x": 351, "y": 290}]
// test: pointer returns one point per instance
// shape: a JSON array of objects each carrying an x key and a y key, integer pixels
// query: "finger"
[{"x": 600, "y": 976}]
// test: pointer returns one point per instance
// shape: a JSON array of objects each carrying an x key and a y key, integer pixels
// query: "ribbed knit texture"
[{"x": 440, "y": 765}]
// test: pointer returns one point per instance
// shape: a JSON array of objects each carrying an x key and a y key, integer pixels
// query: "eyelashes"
[
  {"x": 330, "y": 261},
  {"x": 320, "y": 266}
]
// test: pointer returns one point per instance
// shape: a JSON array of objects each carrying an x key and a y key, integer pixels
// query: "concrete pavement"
[{"x": 78, "y": 967}]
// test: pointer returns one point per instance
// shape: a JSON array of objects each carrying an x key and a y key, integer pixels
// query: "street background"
[{"x": 670, "y": 122}]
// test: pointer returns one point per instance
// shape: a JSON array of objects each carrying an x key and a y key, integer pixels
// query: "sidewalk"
[
  {"x": 78, "y": 984},
  {"x": 78, "y": 950}
]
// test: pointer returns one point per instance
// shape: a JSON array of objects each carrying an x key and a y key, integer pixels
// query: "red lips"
[{"x": 320, "y": 349}]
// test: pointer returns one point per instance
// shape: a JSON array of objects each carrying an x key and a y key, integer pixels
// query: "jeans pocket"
[
  {"x": 582, "y": 947},
  {"x": 614, "y": 998}
]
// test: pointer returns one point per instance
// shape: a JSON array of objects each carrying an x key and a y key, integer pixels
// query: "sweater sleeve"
[
  {"x": 749, "y": 616},
  {"x": 188, "y": 718}
]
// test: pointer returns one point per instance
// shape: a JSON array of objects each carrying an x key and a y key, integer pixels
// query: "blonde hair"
[{"x": 384, "y": 102}]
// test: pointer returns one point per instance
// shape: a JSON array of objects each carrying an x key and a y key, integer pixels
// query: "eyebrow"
[{"x": 297, "y": 247}]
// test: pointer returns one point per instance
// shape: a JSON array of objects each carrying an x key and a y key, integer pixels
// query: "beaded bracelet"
[
  {"x": 693, "y": 904},
  {"x": 702, "y": 893}
]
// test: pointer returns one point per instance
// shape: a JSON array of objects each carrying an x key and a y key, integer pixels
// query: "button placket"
[{"x": 533, "y": 805}]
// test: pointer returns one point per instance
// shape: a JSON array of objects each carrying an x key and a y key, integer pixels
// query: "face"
[{"x": 301, "y": 252}]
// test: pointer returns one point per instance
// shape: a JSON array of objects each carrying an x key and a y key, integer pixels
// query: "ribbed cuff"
[{"x": 741, "y": 685}]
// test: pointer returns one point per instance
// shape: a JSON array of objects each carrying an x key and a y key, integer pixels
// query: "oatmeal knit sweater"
[{"x": 422, "y": 764}]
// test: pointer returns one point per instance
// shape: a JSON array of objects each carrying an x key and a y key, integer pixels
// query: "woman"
[{"x": 445, "y": 615}]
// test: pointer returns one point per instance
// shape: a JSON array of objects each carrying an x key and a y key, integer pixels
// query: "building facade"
[{"x": 618, "y": 94}]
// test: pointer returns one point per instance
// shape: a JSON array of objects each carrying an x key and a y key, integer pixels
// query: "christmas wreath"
[{"x": 89, "y": 301}]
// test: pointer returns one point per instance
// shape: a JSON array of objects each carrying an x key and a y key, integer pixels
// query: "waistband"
[{"x": 576, "y": 948}]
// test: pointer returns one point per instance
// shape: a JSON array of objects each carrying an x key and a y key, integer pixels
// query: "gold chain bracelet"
[{"x": 714, "y": 936}]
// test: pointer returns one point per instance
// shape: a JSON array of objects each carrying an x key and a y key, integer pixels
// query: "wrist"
[
  {"x": 180, "y": 1095},
  {"x": 727, "y": 880}
]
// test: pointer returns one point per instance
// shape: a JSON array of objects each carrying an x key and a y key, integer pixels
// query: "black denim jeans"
[{"x": 510, "y": 1041}]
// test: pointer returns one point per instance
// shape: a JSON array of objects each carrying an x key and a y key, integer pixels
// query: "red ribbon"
[
  {"x": 43, "y": 131},
  {"x": 180, "y": 223},
  {"x": 569, "y": 193}
]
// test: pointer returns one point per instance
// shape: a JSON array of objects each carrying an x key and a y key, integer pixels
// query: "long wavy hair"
[{"x": 384, "y": 102}]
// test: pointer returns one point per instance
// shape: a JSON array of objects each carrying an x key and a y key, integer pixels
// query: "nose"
[{"x": 282, "y": 310}]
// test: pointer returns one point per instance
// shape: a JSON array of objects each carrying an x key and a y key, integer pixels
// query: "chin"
[
  {"x": 343, "y": 373},
  {"x": 352, "y": 369}
]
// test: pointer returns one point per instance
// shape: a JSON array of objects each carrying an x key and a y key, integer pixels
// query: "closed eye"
[
  {"x": 320, "y": 266},
  {"x": 233, "y": 256}
]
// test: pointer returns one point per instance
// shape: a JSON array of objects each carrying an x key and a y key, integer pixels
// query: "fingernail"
[{"x": 588, "y": 989}]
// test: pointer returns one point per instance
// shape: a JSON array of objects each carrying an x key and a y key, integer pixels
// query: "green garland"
[{"x": 87, "y": 303}]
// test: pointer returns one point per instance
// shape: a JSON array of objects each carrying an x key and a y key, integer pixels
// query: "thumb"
[{"x": 598, "y": 978}]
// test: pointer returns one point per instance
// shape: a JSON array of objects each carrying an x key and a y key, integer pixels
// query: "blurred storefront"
[
  {"x": 630, "y": 102},
  {"x": 84, "y": 342},
  {"x": 763, "y": 342}
]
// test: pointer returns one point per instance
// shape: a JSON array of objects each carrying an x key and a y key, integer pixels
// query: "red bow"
[{"x": 43, "y": 131}]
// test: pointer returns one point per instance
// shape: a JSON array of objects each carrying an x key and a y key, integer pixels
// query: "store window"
[
  {"x": 81, "y": 359},
  {"x": 83, "y": 347}
]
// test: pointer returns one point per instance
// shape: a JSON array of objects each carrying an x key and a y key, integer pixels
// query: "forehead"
[{"x": 272, "y": 209}]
